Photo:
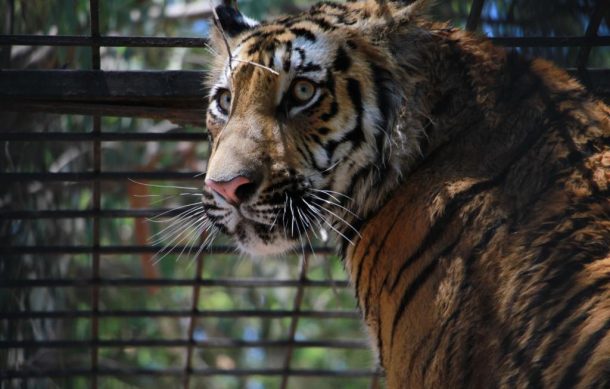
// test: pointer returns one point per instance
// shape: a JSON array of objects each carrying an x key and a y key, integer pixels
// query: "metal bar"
[
  {"x": 103, "y": 176},
  {"x": 87, "y": 213},
  {"x": 107, "y": 250},
  {"x": 375, "y": 380},
  {"x": 266, "y": 314},
  {"x": 26, "y": 373},
  {"x": 103, "y": 137},
  {"x": 592, "y": 28},
  {"x": 210, "y": 343},
  {"x": 112, "y": 86},
  {"x": 145, "y": 282},
  {"x": 94, "y": 11},
  {"x": 177, "y": 110},
  {"x": 103, "y": 41},
  {"x": 122, "y": 41},
  {"x": 475, "y": 15},
  {"x": 543, "y": 41},
  {"x": 175, "y": 95},
  {"x": 9, "y": 28},
  {"x": 193, "y": 316},
  {"x": 294, "y": 322}
]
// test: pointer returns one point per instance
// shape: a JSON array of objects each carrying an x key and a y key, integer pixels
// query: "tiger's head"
[{"x": 303, "y": 115}]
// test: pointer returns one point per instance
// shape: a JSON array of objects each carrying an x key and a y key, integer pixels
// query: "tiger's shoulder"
[{"x": 494, "y": 253}]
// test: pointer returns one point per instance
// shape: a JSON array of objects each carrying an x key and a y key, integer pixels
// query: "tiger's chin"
[{"x": 256, "y": 240}]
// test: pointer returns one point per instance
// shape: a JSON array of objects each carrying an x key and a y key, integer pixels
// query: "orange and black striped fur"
[{"x": 468, "y": 186}]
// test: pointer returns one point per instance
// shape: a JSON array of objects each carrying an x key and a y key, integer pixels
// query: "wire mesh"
[{"x": 88, "y": 357}]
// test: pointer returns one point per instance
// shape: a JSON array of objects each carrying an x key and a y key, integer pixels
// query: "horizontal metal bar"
[
  {"x": 552, "y": 41},
  {"x": 235, "y": 314},
  {"x": 139, "y": 41},
  {"x": 114, "y": 86},
  {"x": 87, "y": 213},
  {"x": 109, "y": 250},
  {"x": 210, "y": 343},
  {"x": 177, "y": 372},
  {"x": 168, "y": 282},
  {"x": 103, "y": 137},
  {"x": 104, "y": 176},
  {"x": 104, "y": 41},
  {"x": 179, "y": 96},
  {"x": 175, "y": 109}
]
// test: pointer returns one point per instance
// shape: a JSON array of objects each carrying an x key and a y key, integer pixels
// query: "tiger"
[{"x": 467, "y": 185}]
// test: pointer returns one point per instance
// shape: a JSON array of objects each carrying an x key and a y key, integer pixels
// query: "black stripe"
[
  {"x": 309, "y": 67},
  {"x": 571, "y": 376},
  {"x": 314, "y": 163},
  {"x": 342, "y": 61},
  {"x": 334, "y": 109},
  {"x": 287, "y": 57},
  {"x": 432, "y": 351},
  {"x": 330, "y": 148},
  {"x": 302, "y": 55},
  {"x": 411, "y": 291},
  {"x": 356, "y": 135},
  {"x": 303, "y": 33},
  {"x": 381, "y": 246},
  {"x": 323, "y": 24},
  {"x": 384, "y": 90},
  {"x": 323, "y": 131},
  {"x": 322, "y": 6}
]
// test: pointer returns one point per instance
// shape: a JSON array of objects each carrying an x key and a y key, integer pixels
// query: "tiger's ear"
[
  {"x": 404, "y": 9},
  {"x": 228, "y": 23},
  {"x": 231, "y": 21}
]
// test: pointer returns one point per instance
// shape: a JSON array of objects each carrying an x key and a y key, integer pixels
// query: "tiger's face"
[{"x": 297, "y": 118}]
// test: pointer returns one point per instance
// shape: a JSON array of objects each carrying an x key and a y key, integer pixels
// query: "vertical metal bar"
[
  {"x": 9, "y": 29},
  {"x": 97, "y": 168},
  {"x": 298, "y": 299},
  {"x": 375, "y": 384},
  {"x": 475, "y": 15},
  {"x": 95, "y": 34},
  {"x": 592, "y": 28},
  {"x": 193, "y": 317}
]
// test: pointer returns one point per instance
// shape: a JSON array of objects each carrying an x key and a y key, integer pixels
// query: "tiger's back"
[{"x": 468, "y": 187}]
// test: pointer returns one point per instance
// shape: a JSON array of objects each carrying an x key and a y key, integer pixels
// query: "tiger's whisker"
[
  {"x": 196, "y": 232},
  {"x": 177, "y": 221},
  {"x": 343, "y": 220},
  {"x": 176, "y": 238},
  {"x": 336, "y": 205},
  {"x": 327, "y": 191},
  {"x": 172, "y": 210},
  {"x": 163, "y": 186}
]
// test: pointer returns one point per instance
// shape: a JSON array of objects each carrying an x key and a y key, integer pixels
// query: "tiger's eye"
[
  {"x": 224, "y": 101},
  {"x": 303, "y": 91}
]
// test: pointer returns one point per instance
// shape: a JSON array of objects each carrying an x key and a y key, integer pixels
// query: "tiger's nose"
[{"x": 235, "y": 191}]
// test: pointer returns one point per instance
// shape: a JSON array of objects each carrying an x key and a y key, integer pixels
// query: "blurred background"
[{"x": 100, "y": 286}]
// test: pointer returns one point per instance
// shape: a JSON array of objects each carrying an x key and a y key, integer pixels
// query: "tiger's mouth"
[{"x": 273, "y": 221}]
